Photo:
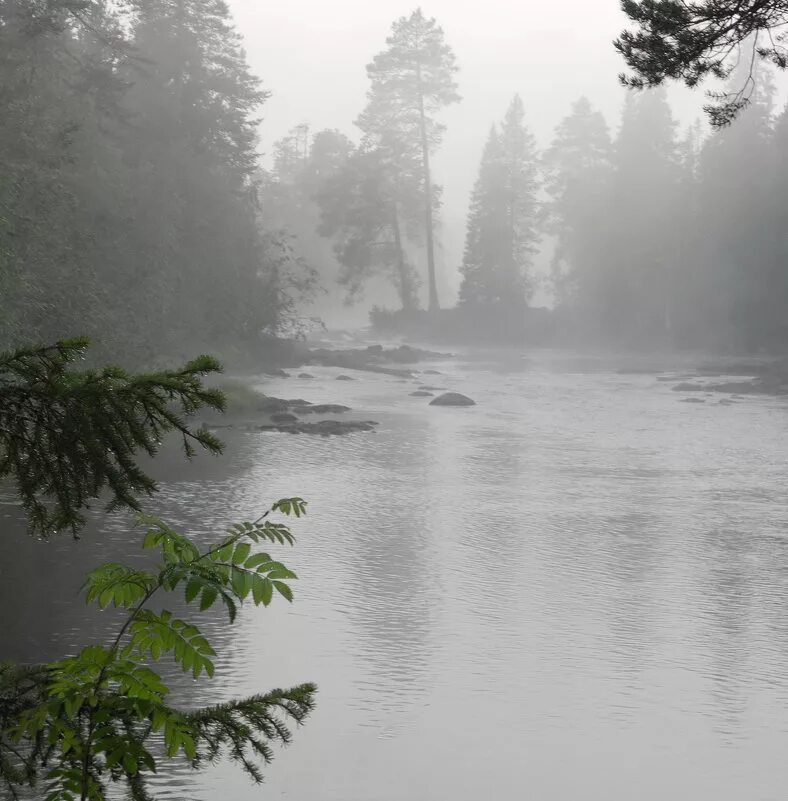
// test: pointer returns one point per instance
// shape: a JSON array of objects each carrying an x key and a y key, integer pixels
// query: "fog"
[
  {"x": 312, "y": 55},
  {"x": 484, "y": 459}
]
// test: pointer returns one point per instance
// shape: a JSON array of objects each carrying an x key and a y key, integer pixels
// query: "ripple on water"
[{"x": 574, "y": 589}]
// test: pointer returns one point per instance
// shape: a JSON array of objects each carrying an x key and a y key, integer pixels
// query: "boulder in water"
[
  {"x": 344, "y": 377},
  {"x": 421, "y": 393},
  {"x": 305, "y": 375},
  {"x": 452, "y": 399}
]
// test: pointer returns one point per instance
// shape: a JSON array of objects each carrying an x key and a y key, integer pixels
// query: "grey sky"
[{"x": 311, "y": 54}]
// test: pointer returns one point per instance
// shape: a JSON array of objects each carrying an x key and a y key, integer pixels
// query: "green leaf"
[
  {"x": 190, "y": 648},
  {"x": 208, "y": 598},
  {"x": 225, "y": 553},
  {"x": 241, "y": 583},
  {"x": 129, "y": 764},
  {"x": 283, "y": 590},
  {"x": 241, "y": 553},
  {"x": 193, "y": 588},
  {"x": 189, "y": 746},
  {"x": 257, "y": 559},
  {"x": 262, "y": 591}
]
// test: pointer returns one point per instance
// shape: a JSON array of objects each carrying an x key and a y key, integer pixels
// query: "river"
[{"x": 577, "y": 589}]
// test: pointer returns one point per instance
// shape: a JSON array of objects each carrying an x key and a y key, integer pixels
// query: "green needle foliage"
[
  {"x": 67, "y": 435},
  {"x": 75, "y": 727},
  {"x": 677, "y": 40}
]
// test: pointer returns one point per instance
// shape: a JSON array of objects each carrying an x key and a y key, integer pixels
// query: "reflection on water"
[{"x": 576, "y": 589}]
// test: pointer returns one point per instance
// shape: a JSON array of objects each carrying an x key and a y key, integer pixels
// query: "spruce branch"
[{"x": 68, "y": 435}]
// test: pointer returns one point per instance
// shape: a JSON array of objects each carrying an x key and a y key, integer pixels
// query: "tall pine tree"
[{"x": 410, "y": 82}]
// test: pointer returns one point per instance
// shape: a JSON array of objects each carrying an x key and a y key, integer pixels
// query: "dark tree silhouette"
[{"x": 691, "y": 41}]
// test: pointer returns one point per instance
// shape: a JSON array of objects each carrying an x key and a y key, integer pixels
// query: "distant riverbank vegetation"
[{"x": 136, "y": 209}]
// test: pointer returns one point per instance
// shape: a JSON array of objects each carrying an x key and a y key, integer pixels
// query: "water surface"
[{"x": 577, "y": 589}]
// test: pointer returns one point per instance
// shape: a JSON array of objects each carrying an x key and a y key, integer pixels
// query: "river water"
[{"x": 577, "y": 589}]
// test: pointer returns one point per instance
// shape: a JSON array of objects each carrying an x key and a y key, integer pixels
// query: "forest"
[
  {"x": 137, "y": 209},
  {"x": 142, "y": 223},
  {"x": 655, "y": 235}
]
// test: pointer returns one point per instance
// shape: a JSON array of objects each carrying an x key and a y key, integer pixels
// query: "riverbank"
[
  {"x": 346, "y": 358},
  {"x": 733, "y": 377},
  {"x": 251, "y": 407}
]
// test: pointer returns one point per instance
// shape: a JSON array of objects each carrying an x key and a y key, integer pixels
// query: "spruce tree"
[
  {"x": 59, "y": 90},
  {"x": 483, "y": 236},
  {"x": 577, "y": 182},
  {"x": 501, "y": 235},
  {"x": 687, "y": 295},
  {"x": 410, "y": 82},
  {"x": 194, "y": 149},
  {"x": 776, "y": 201},
  {"x": 736, "y": 257},
  {"x": 634, "y": 295},
  {"x": 129, "y": 195}
]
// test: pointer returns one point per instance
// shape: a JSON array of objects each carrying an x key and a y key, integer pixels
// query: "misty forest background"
[{"x": 136, "y": 208}]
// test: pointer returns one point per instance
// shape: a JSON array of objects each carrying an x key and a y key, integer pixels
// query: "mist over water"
[
  {"x": 551, "y": 564},
  {"x": 491, "y": 598}
]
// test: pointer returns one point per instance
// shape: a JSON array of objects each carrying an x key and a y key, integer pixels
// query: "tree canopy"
[
  {"x": 501, "y": 234},
  {"x": 692, "y": 41},
  {"x": 129, "y": 185},
  {"x": 410, "y": 82}
]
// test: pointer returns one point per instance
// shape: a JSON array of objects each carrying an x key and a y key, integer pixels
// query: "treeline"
[
  {"x": 671, "y": 237},
  {"x": 129, "y": 181},
  {"x": 657, "y": 235},
  {"x": 134, "y": 208}
]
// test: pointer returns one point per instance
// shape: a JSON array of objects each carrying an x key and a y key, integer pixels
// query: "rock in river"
[
  {"x": 324, "y": 408},
  {"x": 344, "y": 377},
  {"x": 323, "y": 428},
  {"x": 284, "y": 417},
  {"x": 687, "y": 387},
  {"x": 452, "y": 399},
  {"x": 420, "y": 393}
]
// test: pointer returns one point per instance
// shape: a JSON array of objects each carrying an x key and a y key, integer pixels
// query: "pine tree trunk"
[
  {"x": 425, "y": 156},
  {"x": 405, "y": 288}
]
